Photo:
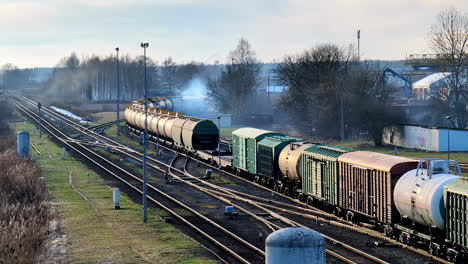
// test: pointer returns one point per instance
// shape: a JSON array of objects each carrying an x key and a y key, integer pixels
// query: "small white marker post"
[{"x": 116, "y": 198}]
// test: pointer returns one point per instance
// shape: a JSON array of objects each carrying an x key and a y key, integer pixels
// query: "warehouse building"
[
  {"x": 426, "y": 138},
  {"x": 431, "y": 85}
]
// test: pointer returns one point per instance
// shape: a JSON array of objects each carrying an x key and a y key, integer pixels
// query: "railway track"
[
  {"x": 303, "y": 211},
  {"x": 103, "y": 125},
  {"x": 244, "y": 252}
]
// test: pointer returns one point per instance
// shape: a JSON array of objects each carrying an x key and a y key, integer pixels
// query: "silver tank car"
[
  {"x": 289, "y": 161},
  {"x": 418, "y": 194},
  {"x": 185, "y": 132}
]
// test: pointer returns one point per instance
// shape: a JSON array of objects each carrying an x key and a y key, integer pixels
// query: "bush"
[{"x": 24, "y": 215}]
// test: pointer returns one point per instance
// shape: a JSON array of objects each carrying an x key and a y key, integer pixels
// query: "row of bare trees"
[
  {"x": 12, "y": 77},
  {"x": 95, "y": 78}
]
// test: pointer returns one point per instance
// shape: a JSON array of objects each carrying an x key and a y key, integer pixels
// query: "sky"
[{"x": 39, "y": 33}]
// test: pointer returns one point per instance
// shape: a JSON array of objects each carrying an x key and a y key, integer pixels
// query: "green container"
[
  {"x": 319, "y": 171},
  {"x": 456, "y": 218},
  {"x": 244, "y": 147},
  {"x": 268, "y": 151}
]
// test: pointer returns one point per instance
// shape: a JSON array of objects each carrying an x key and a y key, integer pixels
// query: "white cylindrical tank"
[
  {"x": 289, "y": 161},
  {"x": 418, "y": 195},
  {"x": 23, "y": 144},
  {"x": 295, "y": 245}
]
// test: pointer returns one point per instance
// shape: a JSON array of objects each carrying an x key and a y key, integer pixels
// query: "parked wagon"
[
  {"x": 319, "y": 171},
  {"x": 290, "y": 161},
  {"x": 244, "y": 147},
  {"x": 367, "y": 182},
  {"x": 268, "y": 152},
  {"x": 185, "y": 132}
]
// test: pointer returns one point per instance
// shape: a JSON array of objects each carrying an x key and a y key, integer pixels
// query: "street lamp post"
[
  {"x": 448, "y": 137},
  {"x": 145, "y": 141},
  {"x": 117, "y": 121}
]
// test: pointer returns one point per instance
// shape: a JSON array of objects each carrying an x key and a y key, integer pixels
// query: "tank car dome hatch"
[{"x": 418, "y": 194}]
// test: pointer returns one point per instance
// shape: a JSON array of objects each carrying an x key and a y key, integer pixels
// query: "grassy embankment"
[{"x": 97, "y": 232}]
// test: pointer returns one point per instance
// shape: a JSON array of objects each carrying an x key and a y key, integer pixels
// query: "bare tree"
[
  {"x": 13, "y": 78},
  {"x": 331, "y": 94},
  {"x": 449, "y": 39},
  {"x": 237, "y": 82},
  {"x": 316, "y": 80}
]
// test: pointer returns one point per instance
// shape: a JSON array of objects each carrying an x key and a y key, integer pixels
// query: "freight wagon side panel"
[
  {"x": 319, "y": 172},
  {"x": 265, "y": 161},
  {"x": 311, "y": 172},
  {"x": 456, "y": 204},
  {"x": 367, "y": 183}
]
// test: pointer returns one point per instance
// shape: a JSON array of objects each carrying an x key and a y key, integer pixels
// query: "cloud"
[
  {"x": 20, "y": 13},
  {"x": 127, "y": 3},
  {"x": 42, "y": 32}
]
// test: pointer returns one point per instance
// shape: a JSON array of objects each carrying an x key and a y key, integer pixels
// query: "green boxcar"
[
  {"x": 319, "y": 171},
  {"x": 244, "y": 147},
  {"x": 268, "y": 151},
  {"x": 456, "y": 204}
]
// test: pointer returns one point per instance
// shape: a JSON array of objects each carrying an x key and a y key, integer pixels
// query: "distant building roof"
[
  {"x": 426, "y": 82},
  {"x": 277, "y": 89}
]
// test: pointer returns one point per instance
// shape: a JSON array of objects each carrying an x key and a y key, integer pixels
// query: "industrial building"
[{"x": 426, "y": 138}]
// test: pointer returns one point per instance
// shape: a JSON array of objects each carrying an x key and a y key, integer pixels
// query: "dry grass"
[{"x": 24, "y": 215}]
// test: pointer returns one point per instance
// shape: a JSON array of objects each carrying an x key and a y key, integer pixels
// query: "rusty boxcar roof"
[{"x": 379, "y": 161}]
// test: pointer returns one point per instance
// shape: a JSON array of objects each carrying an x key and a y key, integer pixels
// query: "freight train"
[{"x": 422, "y": 203}]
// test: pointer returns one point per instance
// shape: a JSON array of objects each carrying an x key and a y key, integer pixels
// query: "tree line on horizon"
[{"x": 330, "y": 90}]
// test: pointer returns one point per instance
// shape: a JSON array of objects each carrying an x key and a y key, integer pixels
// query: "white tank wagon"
[
  {"x": 289, "y": 161},
  {"x": 418, "y": 194},
  {"x": 185, "y": 132}
]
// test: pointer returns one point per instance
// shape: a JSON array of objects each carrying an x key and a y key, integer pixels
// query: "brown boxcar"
[{"x": 367, "y": 183}]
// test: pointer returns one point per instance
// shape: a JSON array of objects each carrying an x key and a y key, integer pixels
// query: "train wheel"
[
  {"x": 300, "y": 197},
  {"x": 286, "y": 191},
  {"x": 337, "y": 211}
]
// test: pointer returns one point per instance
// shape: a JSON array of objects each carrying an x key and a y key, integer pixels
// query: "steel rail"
[
  {"x": 213, "y": 240},
  {"x": 348, "y": 225}
]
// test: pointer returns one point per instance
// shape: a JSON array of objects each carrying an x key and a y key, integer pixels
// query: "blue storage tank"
[
  {"x": 295, "y": 245},
  {"x": 23, "y": 144}
]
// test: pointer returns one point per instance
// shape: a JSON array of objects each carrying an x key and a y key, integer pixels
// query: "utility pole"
[
  {"x": 449, "y": 118},
  {"x": 342, "y": 124},
  {"x": 359, "y": 44},
  {"x": 219, "y": 139},
  {"x": 117, "y": 121},
  {"x": 145, "y": 142}
]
